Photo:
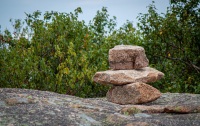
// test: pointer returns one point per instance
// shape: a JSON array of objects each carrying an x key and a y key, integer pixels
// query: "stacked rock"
[{"x": 129, "y": 76}]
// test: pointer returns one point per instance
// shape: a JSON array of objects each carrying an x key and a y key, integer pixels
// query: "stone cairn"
[{"x": 129, "y": 76}]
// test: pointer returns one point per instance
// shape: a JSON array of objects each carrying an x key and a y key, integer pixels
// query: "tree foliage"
[
  {"x": 172, "y": 42},
  {"x": 57, "y": 52}
]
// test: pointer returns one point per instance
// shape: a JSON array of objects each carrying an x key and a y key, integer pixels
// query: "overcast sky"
[{"x": 122, "y": 9}]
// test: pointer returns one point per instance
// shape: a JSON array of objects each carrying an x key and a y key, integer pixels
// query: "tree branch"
[{"x": 178, "y": 59}]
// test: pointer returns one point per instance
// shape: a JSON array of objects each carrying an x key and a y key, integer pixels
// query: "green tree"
[
  {"x": 57, "y": 52},
  {"x": 172, "y": 42}
]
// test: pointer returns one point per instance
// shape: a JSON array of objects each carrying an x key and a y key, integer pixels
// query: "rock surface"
[
  {"x": 121, "y": 77},
  {"x": 126, "y": 57},
  {"x": 168, "y": 103},
  {"x": 135, "y": 93},
  {"x": 21, "y": 107}
]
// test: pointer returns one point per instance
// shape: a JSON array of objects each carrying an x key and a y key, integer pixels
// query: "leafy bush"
[
  {"x": 172, "y": 42},
  {"x": 57, "y": 52}
]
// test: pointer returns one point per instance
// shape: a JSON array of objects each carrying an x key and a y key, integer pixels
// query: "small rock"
[
  {"x": 133, "y": 109},
  {"x": 121, "y": 77},
  {"x": 139, "y": 124},
  {"x": 126, "y": 57},
  {"x": 135, "y": 93},
  {"x": 140, "y": 115},
  {"x": 19, "y": 100},
  {"x": 182, "y": 109}
]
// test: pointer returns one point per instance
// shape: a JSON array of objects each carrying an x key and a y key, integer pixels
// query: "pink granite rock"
[
  {"x": 135, "y": 93},
  {"x": 126, "y": 57},
  {"x": 121, "y": 77}
]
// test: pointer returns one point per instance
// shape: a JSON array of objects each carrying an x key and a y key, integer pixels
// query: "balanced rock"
[
  {"x": 135, "y": 93},
  {"x": 121, "y": 77},
  {"x": 126, "y": 57}
]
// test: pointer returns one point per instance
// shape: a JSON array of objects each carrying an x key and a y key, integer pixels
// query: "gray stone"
[
  {"x": 52, "y": 109},
  {"x": 167, "y": 103},
  {"x": 135, "y": 93},
  {"x": 121, "y": 77},
  {"x": 126, "y": 57}
]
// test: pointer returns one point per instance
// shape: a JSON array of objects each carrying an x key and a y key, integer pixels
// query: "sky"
[{"x": 123, "y": 9}]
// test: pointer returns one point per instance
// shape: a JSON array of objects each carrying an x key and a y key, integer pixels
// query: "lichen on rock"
[{"x": 59, "y": 109}]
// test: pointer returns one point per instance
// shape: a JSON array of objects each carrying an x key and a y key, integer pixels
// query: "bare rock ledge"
[{"x": 22, "y": 107}]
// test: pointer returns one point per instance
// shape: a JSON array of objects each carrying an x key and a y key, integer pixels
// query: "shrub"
[
  {"x": 60, "y": 53},
  {"x": 172, "y": 42}
]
